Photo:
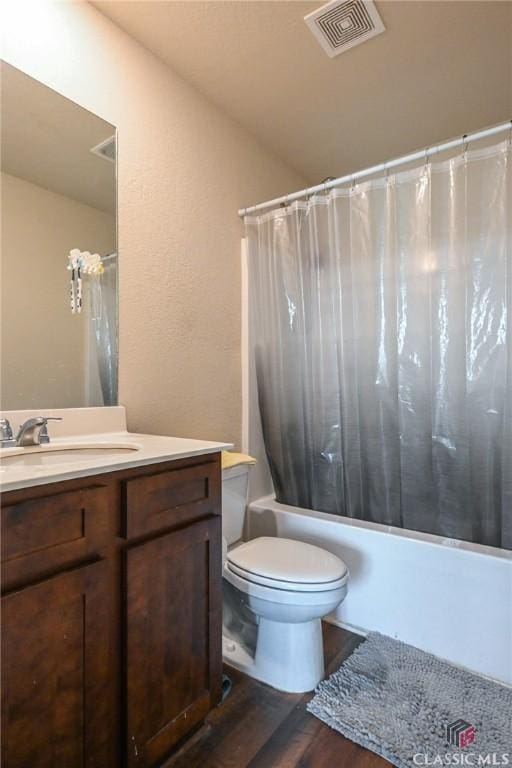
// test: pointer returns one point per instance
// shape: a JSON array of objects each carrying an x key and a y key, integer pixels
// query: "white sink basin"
[{"x": 50, "y": 455}]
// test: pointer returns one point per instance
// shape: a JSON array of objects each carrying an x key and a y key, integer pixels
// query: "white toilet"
[{"x": 275, "y": 592}]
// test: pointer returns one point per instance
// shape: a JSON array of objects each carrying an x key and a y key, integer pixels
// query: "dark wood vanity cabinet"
[
  {"x": 55, "y": 647},
  {"x": 173, "y": 638},
  {"x": 111, "y": 615}
]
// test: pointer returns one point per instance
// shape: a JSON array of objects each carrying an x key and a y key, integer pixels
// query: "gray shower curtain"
[{"x": 382, "y": 330}]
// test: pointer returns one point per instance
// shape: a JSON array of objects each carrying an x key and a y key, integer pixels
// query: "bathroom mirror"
[{"x": 58, "y": 312}]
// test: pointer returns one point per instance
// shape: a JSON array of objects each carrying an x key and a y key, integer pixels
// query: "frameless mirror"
[{"x": 59, "y": 251}]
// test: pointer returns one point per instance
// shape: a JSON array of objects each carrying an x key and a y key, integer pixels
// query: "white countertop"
[
  {"x": 150, "y": 449},
  {"x": 147, "y": 449}
]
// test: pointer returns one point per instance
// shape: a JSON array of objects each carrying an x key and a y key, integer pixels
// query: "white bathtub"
[{"x": 451, "y": 598}]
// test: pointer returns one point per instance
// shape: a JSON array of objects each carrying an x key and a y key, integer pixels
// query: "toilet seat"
[
  {"x": 286, "y": 586},
  {"x": 286, "y": 565},
  {"x": 289, "y": 596}
]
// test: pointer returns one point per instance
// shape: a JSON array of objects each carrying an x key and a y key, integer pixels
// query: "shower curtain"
[
  {"x": 103, "y": 333},
  {"x": 382, "y": 327}
]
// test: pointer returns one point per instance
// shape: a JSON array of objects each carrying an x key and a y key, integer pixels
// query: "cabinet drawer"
[
  {"x": 42, "y": 533},
  {"x": 171, "y": 498}
]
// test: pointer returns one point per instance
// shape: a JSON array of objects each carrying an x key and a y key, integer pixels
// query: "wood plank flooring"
[{"x": 258, "y": 727}]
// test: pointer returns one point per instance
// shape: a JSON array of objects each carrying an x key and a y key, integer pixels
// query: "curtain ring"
[
  {"x": 352, "y": 184},
  {"x": 464, "y": 145},
  {"x": 427, "y": 161}
]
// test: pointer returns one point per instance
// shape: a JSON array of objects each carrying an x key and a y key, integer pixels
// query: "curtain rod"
[{"x": 421, "y": 154}]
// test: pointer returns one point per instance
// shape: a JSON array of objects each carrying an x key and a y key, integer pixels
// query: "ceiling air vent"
[
  {"x": 340, "y": 25},
  {"x": 106, "y": 149}
]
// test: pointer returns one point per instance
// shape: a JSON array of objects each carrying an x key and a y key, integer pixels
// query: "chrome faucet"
[{"x": 34, "y": 431}]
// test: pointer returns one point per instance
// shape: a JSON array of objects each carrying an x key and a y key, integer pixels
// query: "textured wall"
[{"x": 184, "y": 170}]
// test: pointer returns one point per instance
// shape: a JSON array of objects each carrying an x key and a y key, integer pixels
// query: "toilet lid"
[{"x": 292, "y": 565}]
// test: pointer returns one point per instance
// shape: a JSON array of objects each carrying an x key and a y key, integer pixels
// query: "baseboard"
[{"x": 349, "y": 627}]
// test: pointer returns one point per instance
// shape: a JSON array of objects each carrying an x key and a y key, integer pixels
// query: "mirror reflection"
[{"x": 59, "y": 253}]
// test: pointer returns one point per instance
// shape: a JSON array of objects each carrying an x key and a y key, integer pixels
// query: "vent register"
[{"x": 340, "y": 25}]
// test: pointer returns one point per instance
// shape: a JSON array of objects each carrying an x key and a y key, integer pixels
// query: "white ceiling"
[
  {"x": 46, "y": 139},
  {"x": 441, "y": 69}
]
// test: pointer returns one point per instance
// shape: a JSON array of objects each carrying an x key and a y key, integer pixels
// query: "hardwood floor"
[{"x": 259, "y": 727}]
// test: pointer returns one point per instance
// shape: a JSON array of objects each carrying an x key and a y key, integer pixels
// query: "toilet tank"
[{"x": 234, "y": 502}]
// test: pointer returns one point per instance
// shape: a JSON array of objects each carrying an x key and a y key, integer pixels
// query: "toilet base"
[{"x": 289, "y": 656}]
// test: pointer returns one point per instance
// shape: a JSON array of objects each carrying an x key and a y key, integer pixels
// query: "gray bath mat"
[{"x": 410, "y": 707}]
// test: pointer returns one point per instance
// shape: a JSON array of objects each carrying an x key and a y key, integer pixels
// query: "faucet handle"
[
  {"x": 6, "y": 437},
  {"x": 44, "y": 437},
  {"x": 5, "y": 429}
]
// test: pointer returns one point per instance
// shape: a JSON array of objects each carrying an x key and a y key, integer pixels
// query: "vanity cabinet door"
[
  {"x": 173, "y": 644},
  {"x": 56, "y": 694}
]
